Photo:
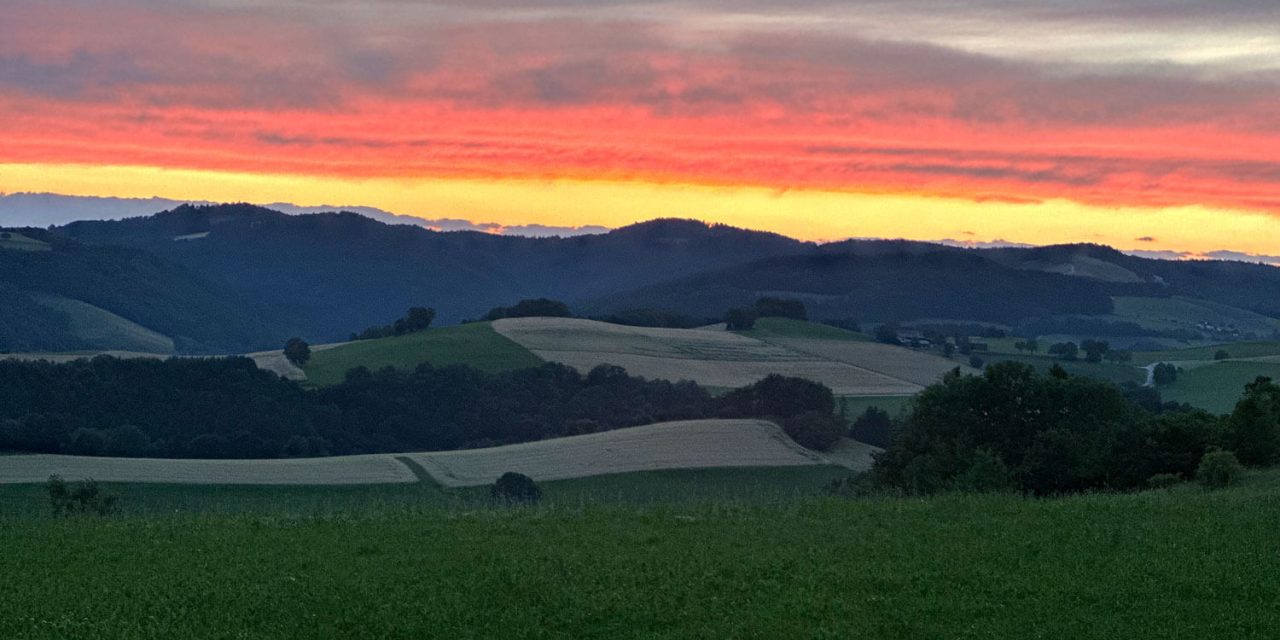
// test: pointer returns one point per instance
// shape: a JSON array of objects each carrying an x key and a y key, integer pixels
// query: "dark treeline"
[
  {"x": 532, "y": 308},
  {"x": 1013, "y": 429},
  {"x": 417, "y": 319},
  {"x": 228, "y": 408}
]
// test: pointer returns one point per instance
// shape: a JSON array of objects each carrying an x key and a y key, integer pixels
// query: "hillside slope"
[
  {"x": 326, "y": 275},
  {"x": 891, "y": 286},
  {"x": 76, "y": 296}
]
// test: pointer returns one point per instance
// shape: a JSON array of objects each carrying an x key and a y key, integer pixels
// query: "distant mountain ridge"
[
  {"x": 324, "y": 276},
  {"x": 51, "y": 209}
]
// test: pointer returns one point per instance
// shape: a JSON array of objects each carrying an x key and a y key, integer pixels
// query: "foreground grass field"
[
  {"x": 475, "y": 344},
  {"x": 1177, "y": 564}
]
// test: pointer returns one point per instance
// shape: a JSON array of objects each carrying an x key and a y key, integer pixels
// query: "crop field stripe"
[{"x": 862, "y": 366}]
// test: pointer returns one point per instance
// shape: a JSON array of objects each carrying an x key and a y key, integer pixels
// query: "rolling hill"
[
  {"x": 71, "y": 296},
  {"x": 323, "y": 276}
]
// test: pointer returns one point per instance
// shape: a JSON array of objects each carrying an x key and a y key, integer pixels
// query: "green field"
[
  {"x": 1167, "y": 564},
  {"x": 766, "y": 328},
  {"x": 1217, "y": 387},
  {"x": 1117, "y": 373},
  {"x": 1256, "y": 349},
  {"x": 20, "y": 242},
  {"x": 475, "y": 344},
  {"x": 1185, "y": 313}
]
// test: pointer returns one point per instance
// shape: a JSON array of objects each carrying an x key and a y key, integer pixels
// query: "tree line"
[
  {"x": 228, "y": 408},
  {"x": 1014, "y": 429}
]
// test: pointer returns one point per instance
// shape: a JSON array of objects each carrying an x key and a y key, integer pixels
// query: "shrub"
[
  {"x": 977, "y": 362},
  {"x": 1164, "y": 374},
  {"x": 814, "y": 430},
  {"x": 515, "y": 488},
  {"x": 873, "y": 427},
  {"x": 1164, "y": 481},
  {"x": 1221, "y": 354},
  {"x": 987, "y": 473},
  {"x": 1219, "y": 470},
  {"x": 81, "y": 498},
  {"x": 297, "y": 351}
]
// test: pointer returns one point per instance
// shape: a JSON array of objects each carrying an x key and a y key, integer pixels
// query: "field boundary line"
[{"x": 420, "y": 472}]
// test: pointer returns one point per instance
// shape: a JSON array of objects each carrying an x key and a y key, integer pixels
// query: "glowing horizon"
[{"x": 1143, "y": 127}]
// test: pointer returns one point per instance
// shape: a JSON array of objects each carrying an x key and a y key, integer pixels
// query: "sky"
[{"x": 1147, "y": 125}]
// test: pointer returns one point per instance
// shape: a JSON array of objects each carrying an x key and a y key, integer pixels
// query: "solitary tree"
[
  {"x": 1164, "y": 374},
  {"x": 515, "y": 488},
  {"x": 1094, "y": 350},
  {"x": 297, "y": 351}
]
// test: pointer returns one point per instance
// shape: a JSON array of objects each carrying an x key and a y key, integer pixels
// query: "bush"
[
  {"x": 873, "y": 427},
  {"x": 1219, "y": 470},
  {"x": 1164, "y": 374},
  {"x": 81, "y": 498},
  {"x": 1221, "y": 354},
  {"x": 977, "y": 362},
  {"x": 297, "y": 351},
  {"x": 987, "y": 473},
  {"x": 515, "y": 488},
  {"x": 814, "y": 430}
]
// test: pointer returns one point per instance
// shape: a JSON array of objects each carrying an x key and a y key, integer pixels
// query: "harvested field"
[
  {"x": 895, "y": 362},
  {"x": 710, "y": 358},
  {"x": 344, "y": 470},
  {"x": 671, "y": 445}
]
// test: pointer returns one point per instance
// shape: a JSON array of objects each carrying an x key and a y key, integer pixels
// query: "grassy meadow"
[
  {"x": 1182, "y": 563},
  {"x": 1218, "y": 386},
  {"x": 475, "y": 344}
]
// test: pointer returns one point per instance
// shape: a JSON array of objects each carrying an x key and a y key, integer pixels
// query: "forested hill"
[
  {"x": 58, "y": 294},
  {"x": 880, "y": 286},
  {"x": 323, "y": 276}
]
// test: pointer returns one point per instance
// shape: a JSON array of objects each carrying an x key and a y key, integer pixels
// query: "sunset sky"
[{"x": 1144, "y": 124}]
